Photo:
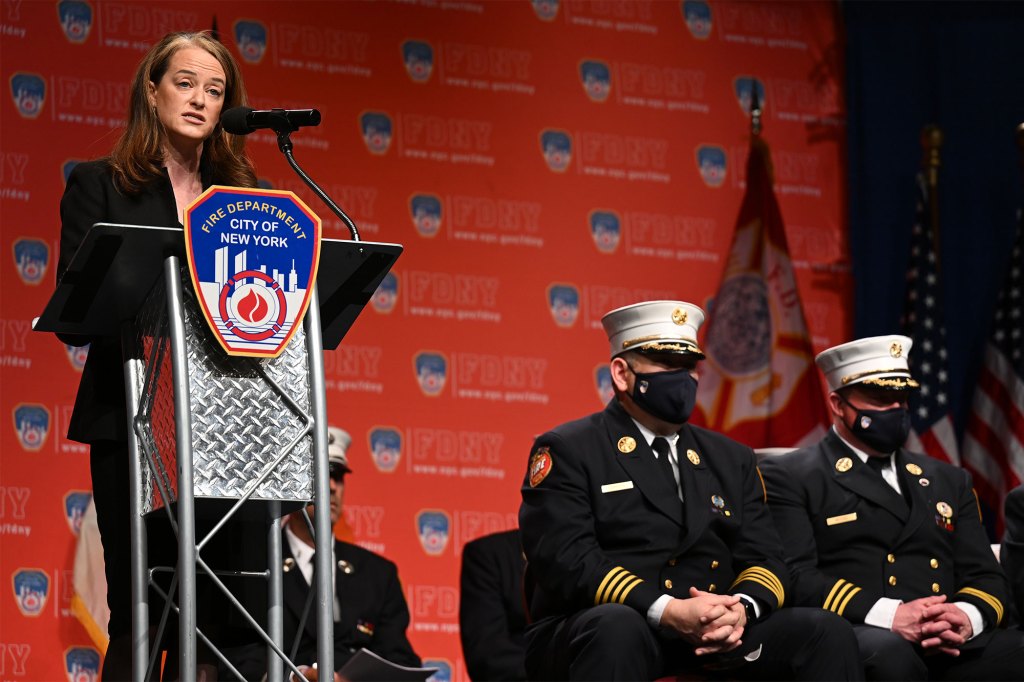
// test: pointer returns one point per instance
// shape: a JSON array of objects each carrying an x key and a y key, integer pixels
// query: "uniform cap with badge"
[
  {"x": 654, "y": 327},
  {"x": 876, "y": 361}
]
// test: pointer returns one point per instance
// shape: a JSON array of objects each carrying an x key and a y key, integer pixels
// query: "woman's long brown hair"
[{"x": 138, "y": 156}]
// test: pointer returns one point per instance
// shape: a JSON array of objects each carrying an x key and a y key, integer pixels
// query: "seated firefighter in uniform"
[
  {"x": 889, "y": 539},
  {"x": 369, "y": 606},
  {"x": 650, "y": 548}
]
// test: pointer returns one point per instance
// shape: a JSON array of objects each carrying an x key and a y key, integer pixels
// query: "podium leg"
[
  {"x": 186, "y": 501},
  {"x": 323, "y": 536},
  {"x": 275, "y": 595},
  {"x": 139, "y": 560}
]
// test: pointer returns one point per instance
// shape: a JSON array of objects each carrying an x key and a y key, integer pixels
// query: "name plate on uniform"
[
  {"x": 615, "y": 487},
  {"x": 253, "y": 256},
  {"x": 844, "y": 518}
]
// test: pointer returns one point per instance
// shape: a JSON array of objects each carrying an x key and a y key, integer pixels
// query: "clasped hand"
[
  {"x": 712, "y": 622},
  {"x": 933, "y": 624}
]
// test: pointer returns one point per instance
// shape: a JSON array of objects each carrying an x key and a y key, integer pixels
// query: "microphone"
[{"x": 243, "y": 120}]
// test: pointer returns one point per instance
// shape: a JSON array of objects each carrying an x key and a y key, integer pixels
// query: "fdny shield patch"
[
  {"x": 253, "y": 256},
  {"x": 540, "y": 465}
]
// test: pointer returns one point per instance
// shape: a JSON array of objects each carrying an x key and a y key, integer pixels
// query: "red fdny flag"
[
  {"x": 993, "y": 446},
  {"x": 759, "y": 384}
]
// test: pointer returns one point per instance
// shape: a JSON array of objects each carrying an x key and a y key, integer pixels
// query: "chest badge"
[
  {"x": 627, "y": 445},
  {"x": 693, "y": 457},
  {"x": 945, "y": 518},
  {"x": 924, "y": 482},
  {"x": 844, "y": 464},
  {"x": 914, "y": 469}
]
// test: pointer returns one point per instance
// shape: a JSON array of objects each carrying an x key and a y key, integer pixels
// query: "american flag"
[
  {"x": 930, "y": 418},
  {"x": 993, "y": 445}
]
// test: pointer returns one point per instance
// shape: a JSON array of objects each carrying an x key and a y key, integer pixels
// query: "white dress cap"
[
  {"x": 654, "y": 327},
  {"x": 338, "y": 442},
  {"x": 879, "y": 361}
]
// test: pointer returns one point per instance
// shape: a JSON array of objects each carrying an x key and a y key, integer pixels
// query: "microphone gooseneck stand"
[{"x": 284, "y": 143}]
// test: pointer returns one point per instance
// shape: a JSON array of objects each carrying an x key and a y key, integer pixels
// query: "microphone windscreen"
[{"x": 234, "y": 121}]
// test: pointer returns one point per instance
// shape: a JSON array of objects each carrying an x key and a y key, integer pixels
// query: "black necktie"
[
  {"x": 880, "y": 464},
  {"x": 661, "y": 446}
]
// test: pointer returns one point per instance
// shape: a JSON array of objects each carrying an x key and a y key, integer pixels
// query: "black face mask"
[
  {"x": 669, "y": 396},
  {"x": 883, "y": 430}
]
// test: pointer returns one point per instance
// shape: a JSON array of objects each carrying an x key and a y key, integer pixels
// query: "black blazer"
[
  {"x": 605, "y": 526},
  {"x": 91, "y": 197},
  {"x": 492, "y": 611},
  {"x": 1012, "y": 553},
  {"x": 374, "y": 614},
  {"x": 851, "y": 540}
]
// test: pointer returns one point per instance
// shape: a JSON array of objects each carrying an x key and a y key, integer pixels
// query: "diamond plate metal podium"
[{"x": 244, "y": 432}]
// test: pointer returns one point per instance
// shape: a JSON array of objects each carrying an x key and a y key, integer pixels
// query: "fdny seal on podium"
[{"x": 253, "y": 256}]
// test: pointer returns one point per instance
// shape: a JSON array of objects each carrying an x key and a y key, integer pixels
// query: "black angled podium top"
[{"x": 117, "y": 265}]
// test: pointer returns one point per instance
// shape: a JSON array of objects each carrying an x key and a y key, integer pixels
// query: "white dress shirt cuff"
[
  {"x": 656, "y": 609},
  {"x": 882, "y": 613}
]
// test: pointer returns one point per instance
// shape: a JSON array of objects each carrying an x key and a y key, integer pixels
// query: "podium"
[{"x": 242, "y": 435}]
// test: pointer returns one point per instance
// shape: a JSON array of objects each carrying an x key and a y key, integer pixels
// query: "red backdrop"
[{"x": 501, "y": 295}]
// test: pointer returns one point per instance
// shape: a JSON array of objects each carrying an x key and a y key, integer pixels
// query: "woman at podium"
[{"x": 170, "y": 151}]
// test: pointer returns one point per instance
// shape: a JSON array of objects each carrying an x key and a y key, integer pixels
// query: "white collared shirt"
[{"x": 303, "y": 555}]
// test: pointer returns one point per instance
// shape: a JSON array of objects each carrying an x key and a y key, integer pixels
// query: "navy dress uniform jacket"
[
  {"x": 605, "y": 526},
  {"x": 1012, "y": 555},
  {"x": 850, "y": 539},
  {"x": 374, "y": 614}
]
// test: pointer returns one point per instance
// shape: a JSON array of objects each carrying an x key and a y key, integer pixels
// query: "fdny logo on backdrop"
[
  {"x": 545, "y": 10},
  {"x": 31, "y": 257},
  {"x": 744, "y": 87},
  {"x": 75, "y": 503},
  {"x": 603, "y": 383},
  {"x": 31, "y": 588},
  {"x": 376, "y": 129},
  {"x": 444, "y": 669},
  {"x": 28, "y": 92},
  {"x": 564, "y": 304},
  {"x": 431, "y": 372},
  {"x": 698, "y": 18},
  {"x": 432, "y": 527},
  {"x": 77, "y": 355},
  {"x": 596, "y": 80},
  {"x": 31, "y": 424},
  {"x": 426, "y": 214},
  {"x": 711, "y": 164},
  {"x": 556, "y": 146},
  {"x": 419, "y": 60},
  {"x": 251, "y": 39},
  {"x": 253, "y": 256},
  {"x": 385, "y": 448},
  {"x": 75, "y": 19},
  {"x": 605, "y": 230},
  {"x": 82, "y": 664},
  {"x": 386, "y": 295}
]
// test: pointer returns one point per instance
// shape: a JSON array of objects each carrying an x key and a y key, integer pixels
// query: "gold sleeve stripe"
[
  {"x": 600, "y": 588},
  {"x": 629, "y": 588},
  {"x": 763, "y": 488},
  {"x": 763, "y": 577},
  {"x": 849, "y": 596},
  {"x": 978, "y": 504},
  {"x": 840, "y": 596},
  {"x": 996, "y": 605},
  {"x": 616, "y": 584}
]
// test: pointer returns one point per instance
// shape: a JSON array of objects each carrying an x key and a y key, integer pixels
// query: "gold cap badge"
[
  {"x": 693, "y": 457},
  {"x": 679, "y": 316},
  {"x": 844, "y": 464},
  {"x": 627, "y": 445},
  {"x": 896, "y": 350},
  {"x": 914, "y": 469}
]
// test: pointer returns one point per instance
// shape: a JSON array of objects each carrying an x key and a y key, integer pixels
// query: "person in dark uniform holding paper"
[
  {"x": 369, "y": 606},
  {"x": 492, "y": 616},
  {"x": 889, "y": 539},
  {"x": 650, "y": 548}
]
